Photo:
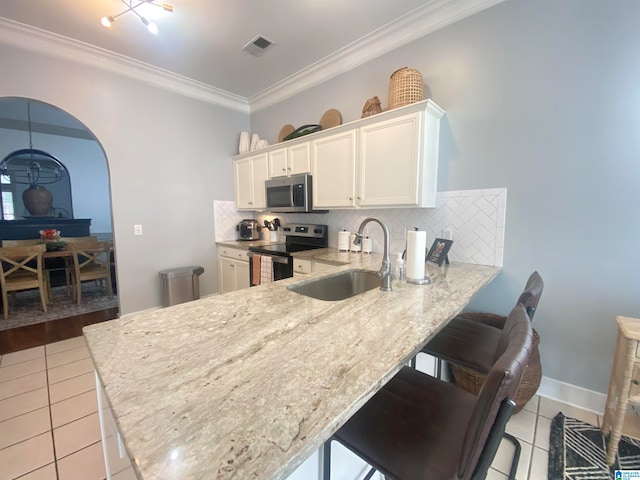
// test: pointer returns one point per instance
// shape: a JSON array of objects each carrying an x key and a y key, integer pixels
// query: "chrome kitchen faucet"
[{"x": 385, "y": 270}]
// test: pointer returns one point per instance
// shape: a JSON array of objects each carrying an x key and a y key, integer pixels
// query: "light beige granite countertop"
[{"x": 248, "y": 384}]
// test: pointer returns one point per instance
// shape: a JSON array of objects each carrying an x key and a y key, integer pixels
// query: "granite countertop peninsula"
[{"x": 248, "y": 384}]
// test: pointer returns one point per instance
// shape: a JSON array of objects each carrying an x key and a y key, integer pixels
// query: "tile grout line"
[
  {"x": 533, "y": 444},
  {"x": 53, "y": 440}
]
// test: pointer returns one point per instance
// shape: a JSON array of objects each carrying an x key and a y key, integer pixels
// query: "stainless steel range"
[{"x": 298, "y": 237}]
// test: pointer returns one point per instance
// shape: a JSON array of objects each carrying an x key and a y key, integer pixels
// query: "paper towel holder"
[
  {"x": 419, "y": 281},
  {"x": 426, "y": 280}
]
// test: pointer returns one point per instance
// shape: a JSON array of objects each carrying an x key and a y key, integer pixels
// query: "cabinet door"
[
  {"x": 260, "y": 173},
  {"x": 278, "y": 163},
  {"x": 390, "y": 156},
  {"x": 333, "y": 165},
  {"x": 242, "y": 275},
  {"x": 244, "y": 183},
  {"x": 299, "y": 159},
  {"x": 227, "y": 273}
]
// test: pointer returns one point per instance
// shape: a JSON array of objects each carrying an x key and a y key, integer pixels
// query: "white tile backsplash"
[
  {"x": 477, "y": 218},
  {"x": 226, "y": 217}
]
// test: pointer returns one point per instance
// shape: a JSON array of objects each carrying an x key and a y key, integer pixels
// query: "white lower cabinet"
[
  {"x": 233, "y": 269},
  {"x": 303, "y": 267},
  {"x": 116, "y": 459}
]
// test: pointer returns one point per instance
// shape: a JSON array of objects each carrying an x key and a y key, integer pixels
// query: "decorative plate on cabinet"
[
  {"x": 284, "y": 131},
  {"x": 331, "y": 118}
]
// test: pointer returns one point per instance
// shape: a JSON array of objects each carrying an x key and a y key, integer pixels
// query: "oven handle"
[{"x": 274, "y": 258}]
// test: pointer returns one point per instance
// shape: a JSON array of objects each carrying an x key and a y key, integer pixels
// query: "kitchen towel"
[
  {"x": 255, "y": 269},
  {"x": 266, "y": 270},
  {"x": 416, "y": 251}
]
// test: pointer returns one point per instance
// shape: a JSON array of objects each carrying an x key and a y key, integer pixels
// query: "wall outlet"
[
  {"x": 447, "y": 233},
  {"x": 137, "y": 229}
]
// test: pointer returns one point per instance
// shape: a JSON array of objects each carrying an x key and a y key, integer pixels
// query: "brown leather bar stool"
[
  {"x": 469, "y": 341},
  {"x": 418, "y": 427}
]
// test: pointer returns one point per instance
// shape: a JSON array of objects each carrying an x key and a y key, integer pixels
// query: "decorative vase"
[
  {"x": 37, "y": 200},
  {"x": 243, "y": 147}
]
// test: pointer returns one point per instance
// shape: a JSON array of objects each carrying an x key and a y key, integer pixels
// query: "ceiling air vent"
[{"x": 258, "y": 45}]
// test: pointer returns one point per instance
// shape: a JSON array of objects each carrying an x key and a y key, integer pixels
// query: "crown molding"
[
  {"x": 434, "y": 15},
  {"x": 40, "y": 41}
]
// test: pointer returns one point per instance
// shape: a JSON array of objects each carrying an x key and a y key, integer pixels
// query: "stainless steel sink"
[{"x": 338, "y": 286}]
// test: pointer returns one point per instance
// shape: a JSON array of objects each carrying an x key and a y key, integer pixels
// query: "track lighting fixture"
[{"x": 132, "y": 5}]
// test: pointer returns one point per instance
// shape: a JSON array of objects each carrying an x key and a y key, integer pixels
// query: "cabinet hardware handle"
[
  {"x": 635, "y": 382},
  {"x": 250, "y": 203},
  {"x": 232, "y": 266},
  {"x": 350, "y": 198},
  {"x": 284, "y": 169},
  {"x": 359, "y": 198}
]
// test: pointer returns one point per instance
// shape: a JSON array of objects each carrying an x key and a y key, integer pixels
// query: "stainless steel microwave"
[{"x": 289, "y": 194}]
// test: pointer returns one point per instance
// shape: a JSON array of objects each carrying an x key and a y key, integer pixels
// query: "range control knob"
[{"x": 317, "y": 230}]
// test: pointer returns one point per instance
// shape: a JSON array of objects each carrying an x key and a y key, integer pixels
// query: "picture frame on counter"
[{"x": 439, "y": 250}]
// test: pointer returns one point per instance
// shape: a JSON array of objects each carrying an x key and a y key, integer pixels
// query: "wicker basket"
[
  {"x": 471, "y": 381},
  {"x": 406, "y": 86}
]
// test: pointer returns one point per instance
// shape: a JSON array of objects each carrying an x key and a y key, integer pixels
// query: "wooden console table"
[{"x": 624, "y": 384}]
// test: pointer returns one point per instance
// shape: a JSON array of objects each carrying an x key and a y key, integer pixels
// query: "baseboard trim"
[{"x": 572, "y": 395}]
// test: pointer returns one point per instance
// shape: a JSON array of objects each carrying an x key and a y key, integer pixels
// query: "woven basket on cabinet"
[
  {"x": 406, "y": 86},
  {"x": 472, "y": 381}
]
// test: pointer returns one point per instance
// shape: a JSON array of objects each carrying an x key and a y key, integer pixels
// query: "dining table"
[{"x": 248, "y": 384}]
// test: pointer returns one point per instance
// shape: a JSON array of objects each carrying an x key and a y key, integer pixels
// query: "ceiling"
[{"x": 198, "y": 49}]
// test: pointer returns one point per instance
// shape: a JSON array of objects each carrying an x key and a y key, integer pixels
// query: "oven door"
[{"x": 282, "y": 267}]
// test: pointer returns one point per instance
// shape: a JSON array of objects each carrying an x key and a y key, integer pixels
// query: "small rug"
[
  {"x": 27, "y": 309},
  {"x": 577, "y": 451}
]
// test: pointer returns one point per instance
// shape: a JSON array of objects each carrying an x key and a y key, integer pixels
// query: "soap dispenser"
[{"x": 399, "y": 269}]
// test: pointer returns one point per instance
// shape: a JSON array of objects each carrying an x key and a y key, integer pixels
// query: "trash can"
[{"x": 180, "y": 285}]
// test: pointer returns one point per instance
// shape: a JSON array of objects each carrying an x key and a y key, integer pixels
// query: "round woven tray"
[{"x": 472, "y": 381}]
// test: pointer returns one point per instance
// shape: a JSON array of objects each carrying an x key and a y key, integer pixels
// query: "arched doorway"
[{"x": 31, "y": 124}]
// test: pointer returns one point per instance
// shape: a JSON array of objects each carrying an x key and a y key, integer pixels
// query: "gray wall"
[
  {"x": 542, "y": 97},
  {"x": 168, "y": 158}
]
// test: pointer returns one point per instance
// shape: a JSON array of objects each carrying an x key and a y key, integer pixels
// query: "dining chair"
[
  {"x": 68, "y": 261},
  {"x": 19, "y": 273},
  {"x": 419, "y": 427},
  {"x": 91, "y": 262},
  {"x": 22, "y": 243}
]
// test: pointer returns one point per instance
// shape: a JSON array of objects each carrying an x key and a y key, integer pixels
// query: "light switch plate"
[
  {"x": 447, "y": 233},
  {"x": 137, "y": 229}
]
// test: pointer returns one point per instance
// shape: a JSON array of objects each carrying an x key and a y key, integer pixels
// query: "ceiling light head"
[
  {"x": 107, "y": 21},
  {"x": 152, "y": 27}
]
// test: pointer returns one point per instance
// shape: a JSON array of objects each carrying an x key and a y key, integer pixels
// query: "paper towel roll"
[
  {"x": 416, "y": 246},
  {"x": 344, "y": 238}
]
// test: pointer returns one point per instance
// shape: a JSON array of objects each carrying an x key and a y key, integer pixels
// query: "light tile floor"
[{"x": 49, "y": 428}]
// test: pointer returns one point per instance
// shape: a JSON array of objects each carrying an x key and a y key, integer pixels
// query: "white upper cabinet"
[
  {"x": 293, "y": 160},
  {"x": 390, "y": 162},
  {"x": 386, "y": 160},
  {"x": 333, "y": 170},
  {"x": 250, "y": 173}
]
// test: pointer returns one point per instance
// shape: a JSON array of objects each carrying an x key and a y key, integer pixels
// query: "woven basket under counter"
[
  {"x": 405, "y": 87},
  {"x": 472, "y": 381}
]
